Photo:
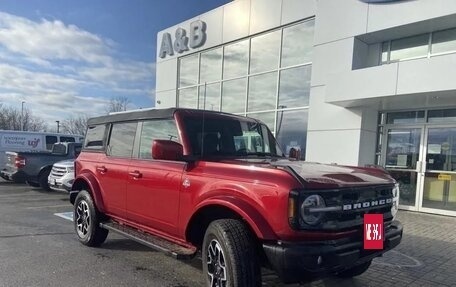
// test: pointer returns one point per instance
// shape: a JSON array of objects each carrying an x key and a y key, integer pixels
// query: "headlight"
[
  {"x": 309, "y": 209},
  {"x": 395, "y": 206},
  {"x": 70, "y": 169}
]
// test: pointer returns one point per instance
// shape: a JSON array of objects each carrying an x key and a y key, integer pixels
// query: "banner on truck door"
[{"x": 20, "y": 142}]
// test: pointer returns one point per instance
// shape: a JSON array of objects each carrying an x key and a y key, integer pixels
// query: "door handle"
[
  {"x": 102, "y": 169},
  {"x": 135, "y": 174}
]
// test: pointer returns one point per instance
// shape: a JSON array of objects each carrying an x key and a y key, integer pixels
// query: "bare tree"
[
  {"x": 118, "y": 104},
  {"x": 10, "y": 119},
  {"x": 75, "y": 125}
]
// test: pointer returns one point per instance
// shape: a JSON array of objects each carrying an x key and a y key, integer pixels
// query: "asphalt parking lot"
[{"x": 38, "y": 248}]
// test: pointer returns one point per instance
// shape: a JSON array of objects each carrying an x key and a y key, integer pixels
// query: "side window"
[
  {"x": 95, "y": 136},
  {"x": 50, "y": 141},
  {"x": 122, "y": 139},
  {"x": 156, "y": 130},
  {"x": 67, "y": 139}
]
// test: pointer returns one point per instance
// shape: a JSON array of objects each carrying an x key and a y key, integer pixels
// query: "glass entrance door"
[
  {"x": 402, "y": 158},
  {"x": 439, "y": 187}
]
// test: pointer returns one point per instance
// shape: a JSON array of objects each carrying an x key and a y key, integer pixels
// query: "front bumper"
[
  {"x": 60, "y": 183},
  {"x": 296, "y": 262}
]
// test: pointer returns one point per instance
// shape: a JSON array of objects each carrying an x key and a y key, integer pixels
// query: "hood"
[
  {"x": 316, "y": 175},
  {"x": 65, "y": 163}
]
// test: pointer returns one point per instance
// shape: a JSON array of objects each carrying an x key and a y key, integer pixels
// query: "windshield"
[
  {"x": 59, "y": 149},
  {"x": 227, "y": 136}
]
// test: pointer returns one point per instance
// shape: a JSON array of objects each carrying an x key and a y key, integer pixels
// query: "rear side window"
[
  {"x": 67, "y": 139},
  {"x": 122, "y": 139},
  {"x": 156, "y": 130},
  {"x": 94, "y": 138},
  {"x": 50, "y": 141}
]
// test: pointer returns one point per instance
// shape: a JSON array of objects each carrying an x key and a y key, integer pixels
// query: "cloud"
[
  {"x": 50, "y": 40},
  {"x": 61, "y": 70}
]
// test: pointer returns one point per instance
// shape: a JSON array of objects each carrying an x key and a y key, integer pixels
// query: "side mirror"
[{"x": 167, "y": 150}]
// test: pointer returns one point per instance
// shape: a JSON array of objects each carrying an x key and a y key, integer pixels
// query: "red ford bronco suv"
[{"x": 182, "y": 180}]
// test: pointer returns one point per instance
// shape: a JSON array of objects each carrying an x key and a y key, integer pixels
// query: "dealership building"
[{"x": 345, "y": 82}]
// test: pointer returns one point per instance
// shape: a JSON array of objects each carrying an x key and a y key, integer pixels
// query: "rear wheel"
[
  {"x": 230, "y": 255},
  {"x": 355, "y": 271},
  {"x": 86, "y": 220},
  {"x": 43, "y": 179}
]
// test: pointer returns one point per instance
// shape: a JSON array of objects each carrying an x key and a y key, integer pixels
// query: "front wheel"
[
  {"x": 355, "y": 271},
  {"x": 230, "y": 255},
  {"x": 86, "y": 220}
]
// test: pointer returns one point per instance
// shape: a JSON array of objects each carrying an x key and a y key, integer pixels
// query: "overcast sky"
[{"x": 67, "y": 57}]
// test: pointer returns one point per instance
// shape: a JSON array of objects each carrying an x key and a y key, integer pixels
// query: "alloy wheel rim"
[
  {"x": 216, "y": 266},
  {"x": 83, "y": 218}
]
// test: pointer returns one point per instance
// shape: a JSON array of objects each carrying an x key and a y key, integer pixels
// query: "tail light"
[{"x": 19, "y": 162}]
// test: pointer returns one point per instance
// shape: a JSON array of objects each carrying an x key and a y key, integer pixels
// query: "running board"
[{"x": 155, "y": 242}]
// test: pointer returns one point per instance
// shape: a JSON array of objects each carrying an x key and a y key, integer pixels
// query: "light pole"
[
  {"x": 22, "y": 115},
  {"x": 58, "y": 126}
]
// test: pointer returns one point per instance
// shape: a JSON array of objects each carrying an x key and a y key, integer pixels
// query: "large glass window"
[
  {"x": 188, "y": 98},
  {"x": 262, "y": 92},
  {"x": 188, "y": 70},
  {"x": 234, "y": 92},
  {"x": 291, "y": 131},
  {"x": 236, "y": 59},
  {"x": 122, "y": 139},
  {"x": 410, "y": 47},
  {"x": 156, "y": 130},
  {"x": 211, "y": 66},
  {"x": 209, "y": 97},
  {"x": 385, "y": 52},
  {"x": 266, "y": 77},
  {"x": 297, "y": 44},
  {"x": 444, "y": 41},
  {"x": 264, "y": 54},
  {"x": 424, "y": 45},
  {"x": 438, "y": 116},
  {"x": 409, "y": 117},
  {"x": 294, "y": 87}
]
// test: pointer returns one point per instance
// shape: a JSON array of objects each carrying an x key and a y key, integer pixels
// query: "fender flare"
[
  {"x": 250, "y": 214},
  {"x": 90, "y": 180}
]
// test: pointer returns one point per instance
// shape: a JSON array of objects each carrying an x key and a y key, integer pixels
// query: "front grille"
[
  {"x": 58, "y": 171},
  {"x": 354, "y": 198}
]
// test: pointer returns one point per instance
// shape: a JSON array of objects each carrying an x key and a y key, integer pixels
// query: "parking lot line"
[
  {"x": 65, "y": 215},
  {"x": 48, "y": 206}
]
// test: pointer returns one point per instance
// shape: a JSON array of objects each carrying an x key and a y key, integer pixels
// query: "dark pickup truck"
[{"x": 34, "y": 167}]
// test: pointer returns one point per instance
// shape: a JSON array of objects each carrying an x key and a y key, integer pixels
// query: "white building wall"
[
  {"x": 345, "y": 97},
  {"x": 233, "y": 21},
  {"x": 347, "y": 134}
]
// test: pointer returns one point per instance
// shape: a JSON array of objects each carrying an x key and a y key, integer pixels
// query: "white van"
[{"x": 21, "y": 141}]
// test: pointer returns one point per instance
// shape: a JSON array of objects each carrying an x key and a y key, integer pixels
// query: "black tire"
[
  {"x": 43, "y": 179},
  {"x": 86, "y": 220},
  {"x": 237, "y": 265},
  {"x": 355, "y": 271},
  {"x": 33, "y": 184}
]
